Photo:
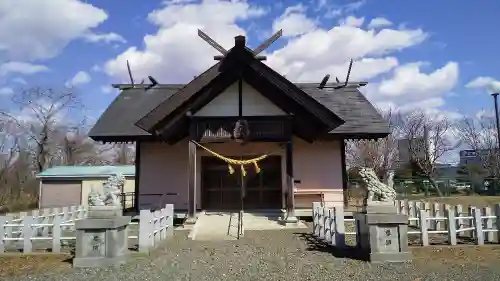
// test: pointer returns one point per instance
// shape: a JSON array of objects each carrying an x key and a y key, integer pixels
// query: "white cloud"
[
  {"x": 106, "y": 89},
  {"x": 176, "y": 42},
  {"x": 379, "y": 22},
  {"x": 33, "y": 29},
  {"x": 352, "y": 21},
  {"x": 104, "y": 37},
  {"x": 96, "y": 68},
  {"x": 312, "y": 55},
  {"x": 5, "y": 91},
  {"x": 80, "y": 78},
  {"x": 489, "y": 84},
  {"x": 484, "y": 114},
  {"x": 294, "y": 21},
  {"x": 21, "y": 67},
  {"x": 19, "y": 80},
  {"x": 409, "y": 89},
  {"x": 409, "y": 80},
  {"x": 305, "y": 57}
]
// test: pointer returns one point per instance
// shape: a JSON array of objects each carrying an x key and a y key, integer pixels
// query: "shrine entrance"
[{"x": 221, "y": 190}]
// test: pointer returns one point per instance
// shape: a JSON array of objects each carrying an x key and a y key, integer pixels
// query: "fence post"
[
  {"x": 399, "y": 206},
  {"x": 65, "y": 216},
  {"x": 163, "y": 223},
  {"x": 326, "y": 223},
  {"x": 459, "y": 221},
  {"x": 19, "y": 230},
  {"x": 170, "y": 220},
  {"x": 423, "y": 228},
  {"x": 81, "y": 212},
  {"x": 321, "y": 222},
  {"x": 315, "y": 209},
  {"x": 406, "y": 207},
  {"x": 413, "y": 213},
  {"x": 35, "y": 214},
  {"x": 452, "y": 229},
  {"x": 421, "y": 206},
  {"x": 435, "y": 224},
  {"x": 489, "y": 224},
  {"x": 8, "y": 230},
  {"x": 339, "y": 240},
  {"x": 144, "y": 231},
  {"x": 470, "y": 221},
  {"x": 3, "y": 221},
  {"x": 46, "y": 212},
  {"x": 27, "y": 234},
  {"x": 56, "y": 234},
  {"x": 73, "y": 216},
  {"x": 497, "y": 221},
  {"x": 478, "y": 225},
  {"x": 157, "y": 226},
  {"x": 446, "y": 208},
  {"x": 331, "y": 225}
]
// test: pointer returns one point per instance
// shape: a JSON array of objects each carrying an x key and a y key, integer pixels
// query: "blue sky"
[{"x": 450, "y": 32}]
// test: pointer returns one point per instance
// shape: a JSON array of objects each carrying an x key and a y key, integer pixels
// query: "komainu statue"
[
  {"x": 111, "y": 192},
  {"x": 94, "y": 197},
  {"x": 376, "y": 190}
]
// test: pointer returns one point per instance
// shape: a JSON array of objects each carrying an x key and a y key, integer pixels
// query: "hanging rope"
[{"x": 231, "y": 161}]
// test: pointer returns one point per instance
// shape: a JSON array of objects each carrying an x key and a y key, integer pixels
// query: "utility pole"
[
  {"x": 497, "y": 150},
  {"x": 495, "y": 98}
]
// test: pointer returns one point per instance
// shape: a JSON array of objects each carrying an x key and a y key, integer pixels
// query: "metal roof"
[{"x": 86, "y": 171}]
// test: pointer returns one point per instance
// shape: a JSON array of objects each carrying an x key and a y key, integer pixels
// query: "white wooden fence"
[
  {"x": 457, "y": 222},
  {"x": 57, "y": 226},
  {"x": 155, "y": 227}
]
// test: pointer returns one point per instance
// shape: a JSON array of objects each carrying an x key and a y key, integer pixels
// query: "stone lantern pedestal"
[
  {"x": 382, "y": 233},
  {"x": 101, "y": 238}
]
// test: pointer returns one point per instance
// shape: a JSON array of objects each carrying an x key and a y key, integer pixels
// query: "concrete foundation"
[
  {"x": 101, "y": 241},
  {"x": 383, "y": 234}
]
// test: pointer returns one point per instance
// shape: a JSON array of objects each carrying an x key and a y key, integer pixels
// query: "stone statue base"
[
  {"x": 382, "y": 233},
  {"x": 101, "y": 241},
  {"x": 379, "y": 207},
  {"x": 105, "y": 212}
]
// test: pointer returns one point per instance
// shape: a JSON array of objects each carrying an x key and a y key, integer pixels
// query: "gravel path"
[{"x": 272, "y": 255}]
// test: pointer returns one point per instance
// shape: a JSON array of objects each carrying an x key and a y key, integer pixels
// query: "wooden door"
[{"x": 222, "y": 191}]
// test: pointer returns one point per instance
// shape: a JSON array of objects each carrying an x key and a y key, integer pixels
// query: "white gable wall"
[{"x": 226, "y": 103}]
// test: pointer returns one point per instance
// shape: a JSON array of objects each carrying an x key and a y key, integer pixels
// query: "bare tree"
[
  {"x": 42, "y": 110},
  {"x": 74, "y": 147},
  {"x": 480, "y": 135},
  {"x": 124, "y": 154},
  {"x": 380, "y": 154},
  {"x": 428, "y": 141},
  {"x": 16, "y": 179}
]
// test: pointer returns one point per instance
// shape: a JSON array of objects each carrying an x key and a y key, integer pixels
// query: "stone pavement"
[{"x": 224, "y": 226}]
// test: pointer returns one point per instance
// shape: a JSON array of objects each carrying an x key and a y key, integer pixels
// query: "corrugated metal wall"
[{"x": 60, "y": 193}]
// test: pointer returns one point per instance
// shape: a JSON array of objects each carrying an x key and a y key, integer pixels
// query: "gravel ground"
[{"x": 279, "y": 255}]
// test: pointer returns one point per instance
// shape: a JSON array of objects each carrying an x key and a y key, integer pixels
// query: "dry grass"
[
  {"x": 459, "y": 255},
  {"x": 17, "y": 265}
]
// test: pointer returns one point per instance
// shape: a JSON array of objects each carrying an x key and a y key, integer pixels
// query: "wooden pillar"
[
  {"x": 344, "y": 171},
  {"x": 192, "y": 181},
  {"x": 290, "y": 202},
  {"x": 137, "y": 178}
]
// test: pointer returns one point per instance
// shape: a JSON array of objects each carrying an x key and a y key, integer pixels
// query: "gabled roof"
[
  {"x": 240, "y": 63},
  {"x": 117, "y": 123},
  {"x": 118, "y": 120},
  {"x": 360, "y": 116}
]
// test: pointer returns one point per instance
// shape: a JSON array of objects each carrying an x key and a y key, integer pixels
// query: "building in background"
[
  {"x": 474, "y": 157},
  {"x": 405, "y": 155},
  {"x": 64, "y": 186}
]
